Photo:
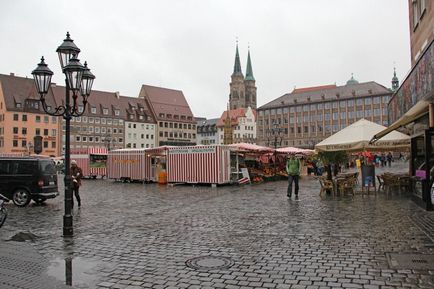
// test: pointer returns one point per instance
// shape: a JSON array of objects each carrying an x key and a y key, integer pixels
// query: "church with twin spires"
[{"x": 242, "y": 89}]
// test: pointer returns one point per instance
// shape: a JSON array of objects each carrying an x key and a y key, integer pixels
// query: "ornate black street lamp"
[
  {"x": 276, "y": 133},
  {"x": 78, "y": 81}
]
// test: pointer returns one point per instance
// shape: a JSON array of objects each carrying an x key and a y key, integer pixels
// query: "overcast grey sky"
[{"x": 189, "y": 45}]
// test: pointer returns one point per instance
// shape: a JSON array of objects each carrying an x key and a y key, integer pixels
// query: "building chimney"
[
  {"x": 12, "y": 74},
  {"x": 117, "y": 94}
]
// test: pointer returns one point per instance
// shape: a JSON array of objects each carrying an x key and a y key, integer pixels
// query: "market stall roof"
[
  {"x": 357, "y": 137},
  {"x": 294, "y": 150},
  {"x": 251, "y": 147}
]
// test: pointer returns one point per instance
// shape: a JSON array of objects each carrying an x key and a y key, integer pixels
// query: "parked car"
[{"x": 23, "y": 179}]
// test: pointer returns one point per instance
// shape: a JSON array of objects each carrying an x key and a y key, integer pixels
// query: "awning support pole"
[{"x": 431, "y": 115}]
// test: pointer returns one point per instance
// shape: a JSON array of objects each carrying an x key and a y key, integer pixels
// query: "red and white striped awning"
[
  {"x": 294, "y": 150},
  {"x": 247, "y": 147}
]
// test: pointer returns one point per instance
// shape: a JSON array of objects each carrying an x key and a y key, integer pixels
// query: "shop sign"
[{"x": 203, "y": 150}]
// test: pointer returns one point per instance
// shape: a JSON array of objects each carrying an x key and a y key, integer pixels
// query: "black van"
[{"x": 28, "y": 178}]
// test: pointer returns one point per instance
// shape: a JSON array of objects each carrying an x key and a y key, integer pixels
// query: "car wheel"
[{"x": 21, "y": 197}]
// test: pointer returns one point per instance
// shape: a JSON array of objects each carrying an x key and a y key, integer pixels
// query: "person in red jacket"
[{"x": 76, "y": 175}]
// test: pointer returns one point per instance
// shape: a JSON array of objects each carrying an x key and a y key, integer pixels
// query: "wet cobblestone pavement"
[{"x": 130, "y": 235}]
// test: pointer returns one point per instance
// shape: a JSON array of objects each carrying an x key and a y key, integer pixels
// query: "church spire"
[
  {"x": 237, "y": 65},
  {"x": 249, "y": 70},
  {"x": 395, "y": 81}
]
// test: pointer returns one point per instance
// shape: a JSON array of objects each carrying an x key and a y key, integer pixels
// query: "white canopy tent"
[{"x": 357, "y": 137}]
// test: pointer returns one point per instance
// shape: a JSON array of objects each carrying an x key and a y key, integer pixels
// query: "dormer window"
[
  {"x": 105, "y": 111},
  {"x": 18, "y": 104},
  {"x": 93, "y": 109},
  {"x": 80, "y": 108},
  {"x": 161, "y": 115},
  {"x": 131, "y": 116},
  {"x": 140, "y": 116},
  {"x": 117, "y": 112},
  {"x": 169, "y": 116}
]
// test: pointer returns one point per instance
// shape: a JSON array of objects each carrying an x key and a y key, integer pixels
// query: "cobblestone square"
[{"x": 133, "y": 235}]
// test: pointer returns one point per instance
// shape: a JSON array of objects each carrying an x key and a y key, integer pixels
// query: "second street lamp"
[
  {"x": 276, "y": 133},
  {"x": 78, "y": 80}
]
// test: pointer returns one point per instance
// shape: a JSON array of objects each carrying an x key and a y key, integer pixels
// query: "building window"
[
  {"x": 415, "y": 14},
  {"x": 105, "y": 111},
  {"x": 15, "y": 143},
  {"x": 23, "y": 143},
  {"x": 53, "y": 145},
  {"x": 15, "y": 116},
  {"x": 24, "y": 130},
  {"x": 368, "y": 101},
  {"x": 38, "y": 131},
  {"x": 46, "y": 119},
  {"x": 45, "y": 131},
  {"x": 15, "y": 130},
  {"x": 93, "y": 109},
  {"x": 422, "y": 7},
  {"x": 117, "y": 112},
  {"x": 84, "y": 119},
  {"x": 24, "y": 117}
]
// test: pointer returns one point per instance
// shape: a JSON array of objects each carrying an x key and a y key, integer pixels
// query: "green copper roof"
[
  {"x": 249, "y": 70},
  {"x": 352, "y": 80},
  {"x": 237, "y": 66}
]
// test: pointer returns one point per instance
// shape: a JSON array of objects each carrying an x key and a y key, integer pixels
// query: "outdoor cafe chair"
[
  {"x": 405, "y": 182},
  {"x": 326, "y": 185},
  {"x": 390, "y": 182},
  {"x": 347, "y": 185},
  {"x": 380, "y": 182}
]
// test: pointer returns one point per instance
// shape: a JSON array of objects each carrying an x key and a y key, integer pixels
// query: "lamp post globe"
[
  {"x": 42, "y": 75},
  {"x": 86, "y": 82},
  {"x": 67, "y": 50}
]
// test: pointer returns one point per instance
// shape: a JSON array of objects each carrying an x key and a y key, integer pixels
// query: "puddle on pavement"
[{"x": 77, "y": 271}]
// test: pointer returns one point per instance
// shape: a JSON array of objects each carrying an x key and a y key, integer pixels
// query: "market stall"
[
  {"x": 257, "y": 160},
  {"x": 92, "y": 161}
]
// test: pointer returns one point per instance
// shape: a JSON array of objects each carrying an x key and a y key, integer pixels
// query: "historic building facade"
[
  {"x": 242, "y": 89},
  {"x": 112, "y": 121},
  {"x": 237, "y": 125},
  {"x": 309, "y": 115},
  {"x": 207, "y": 131},
  {"x": 176, "y": 124},
  {"x": 22, "y": 118},
  {"x": 411, "y": 108}
]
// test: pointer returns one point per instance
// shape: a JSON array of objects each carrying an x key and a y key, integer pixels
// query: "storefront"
[{"x": 411, "y": 110}]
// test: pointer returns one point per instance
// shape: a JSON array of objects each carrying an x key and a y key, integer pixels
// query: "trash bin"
[{"x": 162, "y": 178}]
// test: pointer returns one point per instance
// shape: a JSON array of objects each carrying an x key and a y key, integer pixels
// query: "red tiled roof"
[
  {"x": 234, "y": 115},
  {"x": 314, "y": 88},
  {"x": 166, "y": 101},
  {"x": 18, "y": 89}
]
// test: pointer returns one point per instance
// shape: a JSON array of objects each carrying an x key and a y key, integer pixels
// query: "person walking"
[
  {"x": 293, "y": 167},
  {"x": 389, "y": 159},
  {"x": 76, "y": 175}
]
